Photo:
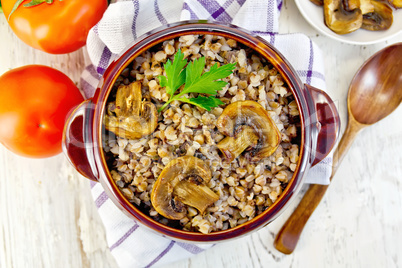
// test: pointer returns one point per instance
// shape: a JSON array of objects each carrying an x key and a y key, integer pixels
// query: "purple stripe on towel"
[
  {"x": 307, "y": 73},
  {"x": 224, "y": 7},
  {"x": 310, "y": 64},
  {"x": 264, "y": 34},
  {"x": 217, "y": 12},
  {"x": 134, "y": 23},
  {"x": 193, "y": 249},
  {"x": 158, "y": 13},
  {"x": 92, "y": 71},
  {"x": 272, "y": 40},
  {"x": 193, "y": 16},
  {"x": 241, "y": 2},
  {"x": 163, "y": 253},
  {"x": 92, "y": 184},
  {"x": 87, "y": 88},
  {"x": 101, "y": 199},
  {"x": 270, "y": 16},
  {"x": 96, "y": 28},
  {"x": 104, "y": 60},
  {"x": 210, "y": 5},
  {"x": 124, "y": 237},
  {"x": 280, "y": 5}
]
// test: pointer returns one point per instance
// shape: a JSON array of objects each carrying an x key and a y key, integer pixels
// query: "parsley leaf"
[
  {"x": 204, "y": 102},
  {"x": 194, "y": 80},
  {"x": 175, "y": 75}
]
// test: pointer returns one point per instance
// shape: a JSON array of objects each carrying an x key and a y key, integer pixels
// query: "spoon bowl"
[
  {"x": 376, "y": 89},
  {"x": 374, "y": 93}
]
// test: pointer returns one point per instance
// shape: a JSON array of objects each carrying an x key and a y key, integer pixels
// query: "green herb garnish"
[{"x": 194, "y": 81}]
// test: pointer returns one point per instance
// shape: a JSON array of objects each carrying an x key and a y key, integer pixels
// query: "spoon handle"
[{"x": 289, "y": 235}]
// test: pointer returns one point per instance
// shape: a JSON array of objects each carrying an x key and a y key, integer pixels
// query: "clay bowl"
[{"x": 83, "y": 132}]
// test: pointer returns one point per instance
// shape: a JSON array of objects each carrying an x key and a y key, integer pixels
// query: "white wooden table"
[{"x": 48, "y": 218}]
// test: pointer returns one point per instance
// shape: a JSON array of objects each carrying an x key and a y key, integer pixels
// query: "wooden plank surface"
[{"x": 48, "y": 219}]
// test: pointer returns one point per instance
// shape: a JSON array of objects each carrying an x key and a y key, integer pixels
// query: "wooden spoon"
[{"x": 374, "y": 93}]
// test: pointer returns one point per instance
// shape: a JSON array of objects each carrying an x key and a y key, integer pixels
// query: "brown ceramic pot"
[{"x": 83, "y": 132}]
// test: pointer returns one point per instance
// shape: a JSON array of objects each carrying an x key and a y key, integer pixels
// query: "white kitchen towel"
[{"x": 122, "y": 24}]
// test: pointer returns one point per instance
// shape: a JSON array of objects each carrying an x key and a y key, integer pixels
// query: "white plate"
[{"x": 315, "y": 16}]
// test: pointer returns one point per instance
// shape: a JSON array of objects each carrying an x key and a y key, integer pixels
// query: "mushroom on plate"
[
  {"x": 183, "y": 182},
  {"x": 365, "y": 6},
  {"x": 130, "y": 117},
  {"x": 395, "y": 3},
  {"x": 379, "y": 19},
  {"x": 340, "y": 20},
  {"x": 350, "y": 5},
  {"x": 249, "y": 129}
]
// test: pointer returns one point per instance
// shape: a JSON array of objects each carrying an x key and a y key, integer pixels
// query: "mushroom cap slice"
[
  {"x": 183, "y": 182},
  {"x": 350, "y": 5},
  {"x": 366, "y": 6},
  {"x": 396, "y": 3},
  {"x": 128, "y": 99},
  {"x": 134, "y": 126},
  {"x": 252, "y": 114},
  {"x": 232, "y": 147},
  {"x": 130, "y": 117},
  {"x": 380, "y": 19},
  {"x": 340, "y": 20}
]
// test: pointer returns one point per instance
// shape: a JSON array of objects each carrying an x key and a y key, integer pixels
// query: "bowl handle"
[
  {"x": 327, "y": 117},
  {"x": 77, "y": 143}
]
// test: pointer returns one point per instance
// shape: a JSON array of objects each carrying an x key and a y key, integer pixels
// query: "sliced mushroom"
[
  {"x": 395, "y": 3},
  {"x": 128, "y": 99},
  {"x": 262, "y": 142},
  {"x": 130, "y": 117},
  {"x": 232, "y": 147},
  {"x": 366, "y": 6},
  {"x": 183, "y": 182},
  {"x": 339, "y": 20},
  {"x": 380, "y": 19},
  {"x": 350, "y": 5}
]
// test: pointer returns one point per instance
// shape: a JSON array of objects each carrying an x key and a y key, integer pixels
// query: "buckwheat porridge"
[{"x": 197, "y": 169}]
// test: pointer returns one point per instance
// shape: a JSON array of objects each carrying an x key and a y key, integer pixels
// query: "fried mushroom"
[
  {"x": 395, "y": 3},
  {"x": 379, "y": 19},
  {"x": 366, "y": 6},
  {"x": 183, "y": 182},
  {"x": 340, "y": 20},
  {"x": 130, "y": 117},
  {"x": 250, "y": 130}
]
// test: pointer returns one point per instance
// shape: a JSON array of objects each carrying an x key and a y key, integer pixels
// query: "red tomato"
[
  {"x": 34, "y": 103},
  {"x": 57, "y": 28}
]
